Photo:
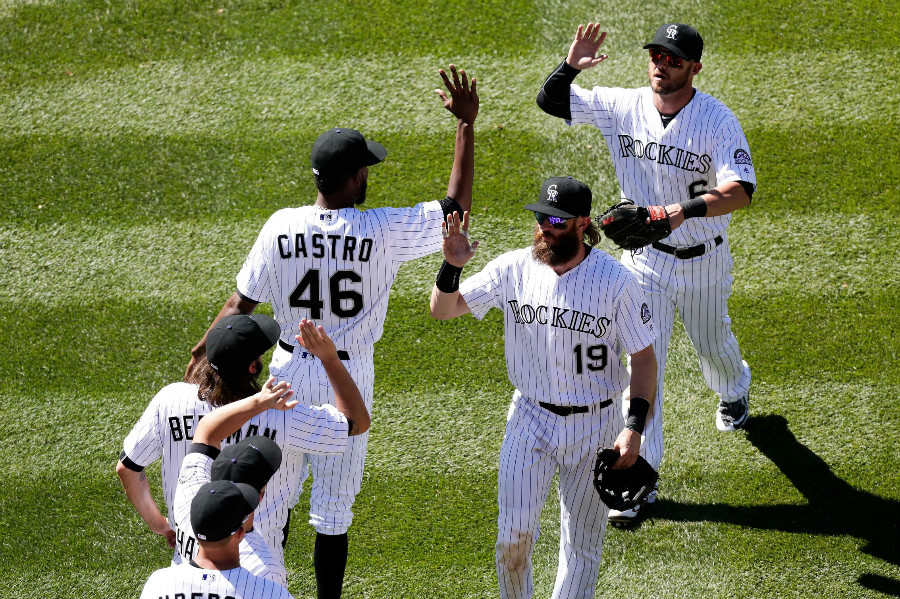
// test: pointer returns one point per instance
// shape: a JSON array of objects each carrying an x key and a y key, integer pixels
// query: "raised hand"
[
  {"x": 463, "y": 100},
  {"x": 316, "y": 341},
  {"x": 583, "y": 51},
  {"x": 456, "y": 247}
]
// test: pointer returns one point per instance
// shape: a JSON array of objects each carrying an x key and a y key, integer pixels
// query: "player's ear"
[{"x": 695, "y": 68}]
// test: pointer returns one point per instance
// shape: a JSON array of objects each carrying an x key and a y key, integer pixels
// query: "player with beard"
[
  {"x": 679, "y": 152},
  {"x": 569, "y": 311}
]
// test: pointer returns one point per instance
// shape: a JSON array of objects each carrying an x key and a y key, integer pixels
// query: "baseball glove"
[
  {"x": 632, "y": 227},
  {"x": 622, "y": 489}
]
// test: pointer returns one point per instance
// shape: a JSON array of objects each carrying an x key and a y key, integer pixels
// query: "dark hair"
[
  {"x": 216, "y": 391},
  {"x": 330, "y": 183},
  {"x": 592, "y": 234}
]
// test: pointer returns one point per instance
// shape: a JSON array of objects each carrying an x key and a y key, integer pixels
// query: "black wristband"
[
  {"x": 448, "y": 278},
  {"x": 694, "y": 207},
  {"x": 637, "y": 414}
]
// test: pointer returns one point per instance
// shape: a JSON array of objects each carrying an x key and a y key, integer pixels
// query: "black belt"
[
  {"x": 569, "y": 410},
  {"x": 685, "y": 253},
  {"x": 342, "y": 355}
]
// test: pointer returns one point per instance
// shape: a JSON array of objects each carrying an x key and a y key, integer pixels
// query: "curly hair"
[
  {"x": 216, "y": 391},
  {"x": 592, "y": 234}
]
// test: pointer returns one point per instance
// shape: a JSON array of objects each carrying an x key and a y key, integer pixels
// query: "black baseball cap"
[
  {"x": 344, "y": 151},
  {"x": 564, "y": 197},
  {"x": 220, "y": 507},
  {"x": 252, "y": 461},
  {"x": 237, "y": 340},
  {"x": 679, "y": 39}
]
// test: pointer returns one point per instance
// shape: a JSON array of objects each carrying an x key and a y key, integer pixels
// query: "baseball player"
[
  {"x": 166, "y": 429},
  {"x": 678, "y": 148},
  {"x": 569, "y": 312},
  {"x": 335, "y": 264},
  {"x": 255, "y": 459},
  {"x": 218, "y": 512}
]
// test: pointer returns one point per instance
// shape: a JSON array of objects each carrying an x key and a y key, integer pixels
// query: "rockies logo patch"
[
  {"x": 645, "y": 313},
  {"x": 742, "y": 157}
]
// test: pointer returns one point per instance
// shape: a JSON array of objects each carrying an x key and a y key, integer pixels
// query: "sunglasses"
[
  {"x": 674, "y": 61},
  {"x": 555, "y": 221}
]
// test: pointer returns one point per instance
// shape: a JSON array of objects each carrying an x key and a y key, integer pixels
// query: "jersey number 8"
[{"x": 345, "y": 303}]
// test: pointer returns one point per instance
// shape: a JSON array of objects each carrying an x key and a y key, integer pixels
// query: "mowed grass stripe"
[
  {"x": 209, "y": 95},
  {"x": 165, "y": 260}
]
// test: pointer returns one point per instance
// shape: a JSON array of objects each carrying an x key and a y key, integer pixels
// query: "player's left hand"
[
  {"x": 456, "y": 247},
  {"x": 628, "y": 444},
  {"x": 276, "y": 396},
  {"x": 463, "y": 100},
  {"x": 675, "y": 212},
  {"x": 316, "y": 341}
]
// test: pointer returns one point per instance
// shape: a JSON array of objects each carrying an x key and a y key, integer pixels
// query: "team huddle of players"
[{"x": 235, "y": 454}]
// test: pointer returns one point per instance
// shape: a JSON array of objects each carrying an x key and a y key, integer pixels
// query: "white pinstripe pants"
[
  {"x": 536, "y": 444},
  {"x": 698, "y": 288}
]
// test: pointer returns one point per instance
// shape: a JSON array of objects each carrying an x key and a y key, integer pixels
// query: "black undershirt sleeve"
[
  {"x": 553, "y": 97},
  {"x": 207, "y": 450},
  {"x": 450, "y": 206},
  {"x": 129, "y": 464},
  {"x": 748, "y": 187}
]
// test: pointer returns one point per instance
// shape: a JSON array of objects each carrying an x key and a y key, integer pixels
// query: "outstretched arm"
[
  {"x": 236, "y": 304},
  {"x": 643, "y": 393},
  {"x": 724, "y": 199},
  {"x": 224, "y": 421},
  {"x": 347, "y": 398},
  {"x": 463, "y": 104},
  {"x": 446, "y": 300}
]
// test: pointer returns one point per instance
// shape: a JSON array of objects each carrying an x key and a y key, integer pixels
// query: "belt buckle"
[
  {"x": 691, "y": 252},
  {"x": 565, "y": 410}
]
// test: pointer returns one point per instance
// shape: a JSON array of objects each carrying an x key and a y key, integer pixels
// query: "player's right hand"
[
  {"x": 583, "y": 51},
  {"x": 463, "y": 100},
  {"x": 456, "y": 247}
]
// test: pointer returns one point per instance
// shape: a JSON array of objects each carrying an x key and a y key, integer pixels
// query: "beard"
[
  {"x": 362, "y": 193},
  {"x": 674, "y": 83},
  {"x": 565, "y": 247}
]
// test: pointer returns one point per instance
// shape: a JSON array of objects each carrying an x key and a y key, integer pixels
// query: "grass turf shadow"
[{"x": 834, "y": 507}]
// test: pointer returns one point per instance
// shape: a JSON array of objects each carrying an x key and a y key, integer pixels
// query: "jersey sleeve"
[
  {"x": 414, "y": 232},
  {"x": 143, "y": 444},
  {"x": 732, "y": 153},
  {"x": 484, "y": 290},
  {"x": 254, "y": 279},
  {"x": 259, "y": 560},
  {"x": 591, "y": 107},
  {"x": 316, "y": 429},
  {"x": 633, "y": 319}
]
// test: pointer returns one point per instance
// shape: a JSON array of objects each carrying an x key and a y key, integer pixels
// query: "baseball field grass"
[{"x": 143, "y": 143}]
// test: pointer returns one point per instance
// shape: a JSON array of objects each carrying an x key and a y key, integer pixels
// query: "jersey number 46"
[{"x": 344, "y": 303}]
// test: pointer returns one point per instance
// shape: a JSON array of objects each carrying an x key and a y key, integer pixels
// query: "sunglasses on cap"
[
  {"x": 674, "y": 61},
  {"x": 555, "y": 221}
]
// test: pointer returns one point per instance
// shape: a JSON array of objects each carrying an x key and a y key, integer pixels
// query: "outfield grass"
[{"x": 143, "y": 144}]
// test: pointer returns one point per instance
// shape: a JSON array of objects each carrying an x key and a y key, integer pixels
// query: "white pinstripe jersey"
[
  {"x": 336, "y": 267},
  {"x": 704, "y": 146},
  {"x": 256, "y": 555},
  {"x": 564, "y": 334},
  {"x": 166, "y": 429},
  {"x": 190, "y": 582}
]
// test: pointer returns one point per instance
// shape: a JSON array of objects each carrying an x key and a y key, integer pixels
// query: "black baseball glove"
[
  {"x": 622, "y": 489},
  {"x": 632, "y": 227}
]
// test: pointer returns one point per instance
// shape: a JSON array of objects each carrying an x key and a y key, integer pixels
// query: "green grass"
[{"x": 144, "y": 143}]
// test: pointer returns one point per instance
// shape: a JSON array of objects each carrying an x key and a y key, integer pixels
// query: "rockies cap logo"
[
  {"x": 552, "y": 193},
  {"x": 672, "y": 30}
]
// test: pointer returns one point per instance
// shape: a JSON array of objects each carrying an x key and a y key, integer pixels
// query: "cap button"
[
  {"x": 228, "y": 327},
  {"x": 212, "y": 491},
  {"x": 234, "y": 460}
]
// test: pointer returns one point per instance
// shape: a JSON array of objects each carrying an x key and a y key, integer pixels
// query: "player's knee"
[{"x": 513, "y": 554}]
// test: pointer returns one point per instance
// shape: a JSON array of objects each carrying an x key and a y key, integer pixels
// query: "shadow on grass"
[{"x": 833, "y": 508}]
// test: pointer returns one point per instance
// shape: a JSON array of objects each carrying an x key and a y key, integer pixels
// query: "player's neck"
[
  {"x": 218, "y": 559},
  {"x": 671, "y": 104},
  {"x": 334, "y": 201}
]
